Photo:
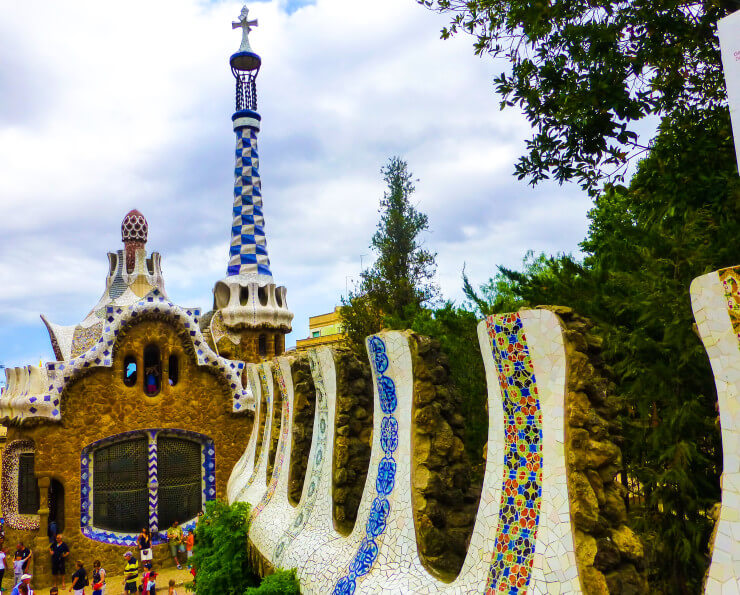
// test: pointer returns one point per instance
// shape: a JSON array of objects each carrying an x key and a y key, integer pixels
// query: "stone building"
[{"x": 142, "y": 417}]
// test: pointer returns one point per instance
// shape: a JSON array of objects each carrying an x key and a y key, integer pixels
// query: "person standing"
[
  {"x": 2, "y": 568},
  {"x": 130, "y": 573},
  {"x": 174, "y": 536},
  {"x": 98, "y": 578},
  {"x": 25, "y": 555},
  {"x": 79, "y": 579},
  {"x": 59, "y": 552},
  {"x": 144, "y": 543},
  {"x": 189, "y": 543}
]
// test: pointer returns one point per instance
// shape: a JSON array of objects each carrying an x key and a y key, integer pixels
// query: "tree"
[
  {"x": 400, "y": 282},
  {"x": 678, "y": 219},
  {"x": 585, "y": 72}
]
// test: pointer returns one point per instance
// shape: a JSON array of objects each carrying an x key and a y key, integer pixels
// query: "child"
[
  {"x": 171, "y": 590},
  {"x": 98, "y": 578},
  {"x": 17, "y": 569},
  {"x": 150, "y": 584},
  {"x": 79, "y": 579},
  {"x": 189, "y": 543},
  {"x": 2, "y": 568}
]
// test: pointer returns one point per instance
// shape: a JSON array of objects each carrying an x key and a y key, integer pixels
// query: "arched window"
[
  {"x": 28, "y": 487},
  {"x": 152, "y": 370},
  {"x": 262, "y": 345},
  {"x": 129, "y": 370},
  {"x": 174, "y": 369},
  {"x": 179, "y": 474},
  {"x": 244, "y": 295},
  {"x": 262, "y": 295}
]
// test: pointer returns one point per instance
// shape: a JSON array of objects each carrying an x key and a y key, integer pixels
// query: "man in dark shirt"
[
  {"x": 59, "y": 552},
  {"x": 24, "y": 553}
]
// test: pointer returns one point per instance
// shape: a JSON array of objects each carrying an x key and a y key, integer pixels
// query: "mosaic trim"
[
  {"x": 14, "y": 520},
  {"x": 208, "y": 464},
  {"x": 265, "y": 430},
  {"x": 730, "y": 279},
  {"x": 307, "y": 504},
  {"x": 246, "y": 458},
  {"x": 84, "y": 338},
  {"x": 284, "y": 427},
  {"x": 521, "y": 495},
  {"x": 248, "y": 252},
  {"x": 367, "y": 552},
  {"x": 60, "y": 374}
]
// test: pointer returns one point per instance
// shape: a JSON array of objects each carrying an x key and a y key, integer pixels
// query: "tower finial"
[{"x": 246, "y": 26}]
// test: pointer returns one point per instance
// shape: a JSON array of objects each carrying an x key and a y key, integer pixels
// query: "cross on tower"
[{"x": 246, "y": 26}]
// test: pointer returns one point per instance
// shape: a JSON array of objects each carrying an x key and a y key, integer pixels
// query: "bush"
[
  {"x": 282, "y": 582},
  {"x": 220, "y": 555}
]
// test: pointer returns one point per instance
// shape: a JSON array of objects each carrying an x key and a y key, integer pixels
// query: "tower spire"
[{"x": 251, "y": 314}]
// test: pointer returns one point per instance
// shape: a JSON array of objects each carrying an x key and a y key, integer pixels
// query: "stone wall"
[
  {"x": 99, "y": 405},
  {"x": 610, "y": 556},
  {"x": 275, "y": 426},
  {"x": 353, "y": 432},
  {"x": 303, "y": 416},
  {"x": 443, "y": 502}
]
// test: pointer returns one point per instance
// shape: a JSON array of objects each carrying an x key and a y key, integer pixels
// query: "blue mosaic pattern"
[
  {"x": 208, "y": 462},
  {"x": 367, "y": 553},
  {"x": 153, "y": 482},
  {"x": 521, "y": 492},
  {"x": 248, "y": 252}
]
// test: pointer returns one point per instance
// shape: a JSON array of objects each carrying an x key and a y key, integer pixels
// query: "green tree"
[
  {"x": 400, "y": 282},
  {"x": 585, "y": 72},
  {"x": 677, "y": 220}
]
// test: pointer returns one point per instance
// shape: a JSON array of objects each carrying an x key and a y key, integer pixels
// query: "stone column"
[{"x": 40, "y": 544}]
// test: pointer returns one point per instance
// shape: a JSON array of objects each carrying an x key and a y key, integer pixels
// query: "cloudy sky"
[{"x": 105, "y": 107}]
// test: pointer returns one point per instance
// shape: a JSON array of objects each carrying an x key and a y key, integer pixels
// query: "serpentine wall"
[{"x": 549, "y": 519}]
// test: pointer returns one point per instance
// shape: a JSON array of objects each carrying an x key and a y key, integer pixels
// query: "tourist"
[
  {"x": 144, "y": 543},
  {"x": 145, "y": 576},
  {"x": 17, "y": 568},
  {"x": 174, "y": 536},
  {"x": 24, "y": 582},
  {"x": 98, "y": 578},
  {"x": 25, "y": 554},
  {"x": 2, "y": 568},
  {"x": 59, "y": 552},
  {"x": 79, "y": 579},
  {"x": 150, "y": 586},
  {"x": 171, "y": 590},
  {"x": 189, "y": 543},
  {"x": 130, "y": 573}
]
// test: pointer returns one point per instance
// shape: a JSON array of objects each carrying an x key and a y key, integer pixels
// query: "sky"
[{"x": 106, "y": 107}]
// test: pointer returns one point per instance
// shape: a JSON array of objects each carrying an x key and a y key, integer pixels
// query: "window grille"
[
  {"x": 120, "y": 486},
  {"x": 28, "y": 487},
  {"x": 179, "y": 474}
]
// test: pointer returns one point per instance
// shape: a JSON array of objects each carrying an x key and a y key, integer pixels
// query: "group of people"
[{"x": 180, "y": 544}]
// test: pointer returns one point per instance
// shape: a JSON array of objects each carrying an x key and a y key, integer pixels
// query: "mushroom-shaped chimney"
[{"x": 134, "y": 231}]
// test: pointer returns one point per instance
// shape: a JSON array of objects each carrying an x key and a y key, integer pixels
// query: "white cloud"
[{"x": 106, "y": 107}]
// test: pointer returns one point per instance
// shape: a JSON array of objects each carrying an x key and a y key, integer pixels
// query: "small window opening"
[
  {"x": 28, "y": 486},
  {"x": 174, "y": 369},
  {"x": 279, "y": 299},
  {"x": 244, "y": 295},
  {"x": 316, "y": 334},
  {"x": 262, "y": 346},
  {"x": 150, "y": 265},
  {"x": 129, "y": 370},
  {"x": 152, "y": 370},
  {"x": 262, "y": 295}
]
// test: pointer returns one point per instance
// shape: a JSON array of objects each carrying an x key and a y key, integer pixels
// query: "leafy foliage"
[
  {"x": 220, "y": 556},
  {"x": 396, "y": 287},
  {"x": 282, "y": 582},
  {"x": 678, "y": 219},
  {"x": 585, "y": 72}
]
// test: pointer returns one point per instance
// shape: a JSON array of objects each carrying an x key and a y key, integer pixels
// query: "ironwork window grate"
[
  {"x": 179, "y": 472},
  {"x": 28, "y": 487},
  {"x": 120, "y": 486}
]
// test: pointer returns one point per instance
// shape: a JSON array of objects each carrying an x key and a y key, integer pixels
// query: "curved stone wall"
[{"x": 715, "y": 299}]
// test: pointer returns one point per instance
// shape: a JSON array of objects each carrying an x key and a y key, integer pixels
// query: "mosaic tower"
[{"x": 251, "y": 315}]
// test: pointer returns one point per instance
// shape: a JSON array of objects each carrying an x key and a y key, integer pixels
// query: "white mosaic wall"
[
  {"x": 380, "y": 554},
  {"x": 716, "y": 302}
]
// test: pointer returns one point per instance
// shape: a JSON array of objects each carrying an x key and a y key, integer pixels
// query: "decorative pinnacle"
[{"x": 246, "y": 26}]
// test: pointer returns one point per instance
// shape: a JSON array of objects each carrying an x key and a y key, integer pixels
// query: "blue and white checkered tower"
[
  {"x": 248, "y": 253},
  {"x": 247, "y": 298}
]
